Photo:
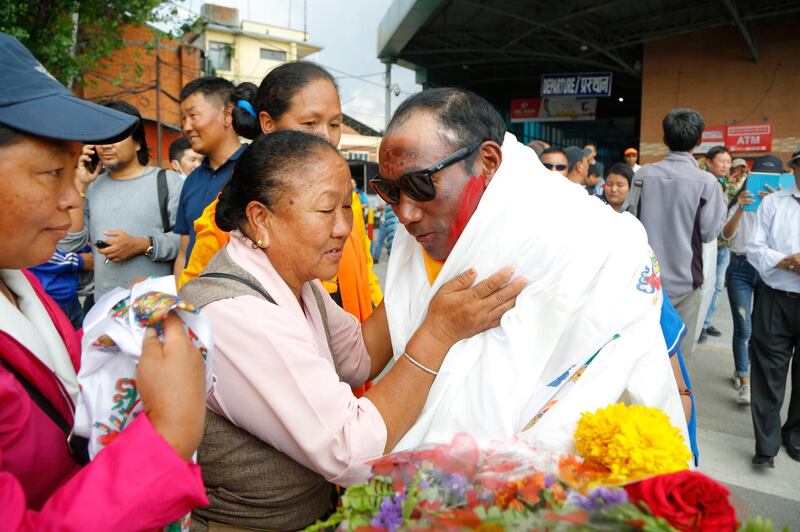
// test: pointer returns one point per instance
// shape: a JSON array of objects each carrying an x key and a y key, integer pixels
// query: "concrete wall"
[{"x": 714, "y": 73}]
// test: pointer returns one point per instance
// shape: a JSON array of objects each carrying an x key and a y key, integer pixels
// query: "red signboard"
[
  {"x": 712, "y": 136},
  {"x": 523, "y": 109},
  {"x": 562, "y": 109},
  {"x": 756, "y": 137}
]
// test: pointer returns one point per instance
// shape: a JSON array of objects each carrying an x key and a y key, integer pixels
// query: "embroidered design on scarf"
[
  {"x": 650, "y": 279},
  {"x": 105, "y": 344},
  {"x": 125, "y": 401},
  {"x": 563, "y": 384}
]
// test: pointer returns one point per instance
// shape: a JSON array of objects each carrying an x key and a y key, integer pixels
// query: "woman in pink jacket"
[{"x": 145, "y": 479}]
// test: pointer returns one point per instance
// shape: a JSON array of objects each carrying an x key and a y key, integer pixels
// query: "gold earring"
[{"x": 260, "y": 243}]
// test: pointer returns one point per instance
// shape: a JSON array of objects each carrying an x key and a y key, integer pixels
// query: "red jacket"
[{"x": 138, "y": 482}]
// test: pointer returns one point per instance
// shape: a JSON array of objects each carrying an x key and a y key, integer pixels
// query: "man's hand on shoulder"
[{"x": 123, "y": 246}]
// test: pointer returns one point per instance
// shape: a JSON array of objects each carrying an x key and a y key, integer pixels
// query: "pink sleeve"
[
  {"x": 137, "y": 483},
  {"x": 273, "y": 382},
  {"x": 349, "y": 350}
]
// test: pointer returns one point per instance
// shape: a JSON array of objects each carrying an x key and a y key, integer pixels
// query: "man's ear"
[
  {"x": 267, "y": 124},
  {"x": 489, "y": 158},
  {"x": 175, "y": 165},
  {"x": 227, "y": 111}
]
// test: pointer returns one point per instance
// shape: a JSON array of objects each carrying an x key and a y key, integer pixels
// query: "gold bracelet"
[{"x": 426, "y": 369}]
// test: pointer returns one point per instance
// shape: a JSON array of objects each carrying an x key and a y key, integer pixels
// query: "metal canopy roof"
[{"x": 500, "y": 48}]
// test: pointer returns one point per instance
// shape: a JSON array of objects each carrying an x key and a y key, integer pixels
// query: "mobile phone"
[
  {"x": 93, "y": 162},
  {"x": 100, "y": 244}
]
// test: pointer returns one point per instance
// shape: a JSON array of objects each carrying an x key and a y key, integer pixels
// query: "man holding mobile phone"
[{"x": 129, "y": 209}]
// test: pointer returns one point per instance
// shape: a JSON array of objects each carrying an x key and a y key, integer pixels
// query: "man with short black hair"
[
  {"x": 594, "y": 179},
  {"x": 578, "y": 169},
  {"x": 182, "y": 158},
  {"x": 555, "y": 159},
  {"x": 207, "y": 122},
  {"x": 592, "y": 148},
  {"x": 469, "y": 195},
  {"x": 129, "y": 209},
  {"x": 774, "y": 251},
  {"x": 681, "y": 207}
]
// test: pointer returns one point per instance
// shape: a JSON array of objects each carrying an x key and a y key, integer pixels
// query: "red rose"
[{"x": 688, "y": 500}]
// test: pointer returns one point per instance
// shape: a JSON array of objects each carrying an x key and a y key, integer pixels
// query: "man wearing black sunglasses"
[
  {"x": 469, "y": 195},
  {"x": 433, "y": 183},
  {"x": 555, "y": 159}
]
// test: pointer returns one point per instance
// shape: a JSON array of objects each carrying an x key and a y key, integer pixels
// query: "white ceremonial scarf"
[
  {"x": 30, "y": 325},
  {"x": 587, "y": 268}
]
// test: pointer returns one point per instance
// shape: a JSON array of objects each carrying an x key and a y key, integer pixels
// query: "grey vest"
[{"x": 250, "y": 484}]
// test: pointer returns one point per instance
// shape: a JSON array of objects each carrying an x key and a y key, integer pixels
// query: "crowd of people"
[
  {"x": 317, "y": 370},
  {"x": 685, "y": 203}
]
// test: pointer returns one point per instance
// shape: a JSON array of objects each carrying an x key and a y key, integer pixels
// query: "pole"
[
  {"x": 305, "y": 20},
  {"x": 158, "y": 100},
  {"x": 388, "y": 92}
]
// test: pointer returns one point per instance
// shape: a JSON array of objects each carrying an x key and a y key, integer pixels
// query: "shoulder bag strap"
[
  {"x": 242, "y": 280},
  {"x": 324, "y": 313},
  {"x": 163, "y": 198},
  {"x": 636, "y": 193},
  {"x": 78, "y": 446}
]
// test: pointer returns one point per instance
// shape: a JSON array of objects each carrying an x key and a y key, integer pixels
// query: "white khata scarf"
[{"x": 593, "y": 287}]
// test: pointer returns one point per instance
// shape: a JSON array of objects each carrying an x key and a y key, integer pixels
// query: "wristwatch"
[{"x": 149, "y": 251}]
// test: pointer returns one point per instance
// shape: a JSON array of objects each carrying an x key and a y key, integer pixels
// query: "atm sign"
[{"x": 756, "y": 137}]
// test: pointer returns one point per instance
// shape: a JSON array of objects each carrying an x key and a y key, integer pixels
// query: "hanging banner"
[
  {"x": 755, "y": 137},
  {"x": 553, "y": 109},
  {"x": 580, "y": 85},
  {"x": 712, "y": 136}
]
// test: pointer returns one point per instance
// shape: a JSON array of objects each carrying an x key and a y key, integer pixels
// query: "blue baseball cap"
[{"x": 34, "y": 102}]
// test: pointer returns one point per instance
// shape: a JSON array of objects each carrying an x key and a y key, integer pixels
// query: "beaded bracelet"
[{"x": 426, "y": 369}]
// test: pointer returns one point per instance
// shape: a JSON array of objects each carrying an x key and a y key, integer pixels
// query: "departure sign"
[
  {"x": 581, "y": 85},
  {"x": 756, "y": 137}
]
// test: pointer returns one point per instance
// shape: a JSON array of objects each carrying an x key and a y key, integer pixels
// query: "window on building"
[
  {"x": 219, "y": 55},
  {"x": 357, "y": 155},
  {"x": 273, "y": 55}
]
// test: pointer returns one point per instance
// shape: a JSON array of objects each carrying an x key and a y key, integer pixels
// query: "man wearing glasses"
[
  {"x": 556, "y": 160},
  {"x": 585, "y": 332}
]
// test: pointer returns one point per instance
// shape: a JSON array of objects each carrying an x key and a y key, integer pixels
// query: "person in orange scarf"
[{"x": 301, "y": 96}]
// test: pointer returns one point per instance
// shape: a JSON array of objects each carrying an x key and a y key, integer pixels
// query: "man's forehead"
[{"x": 416, "y": 144}]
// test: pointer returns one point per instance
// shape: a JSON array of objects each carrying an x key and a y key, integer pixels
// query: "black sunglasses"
[
  {"x": 556, "y": 167},
  {"x": 418, "y": 185}
]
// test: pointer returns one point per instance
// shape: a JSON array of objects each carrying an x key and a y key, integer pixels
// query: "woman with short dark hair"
[{"x": 617, "y": 187}]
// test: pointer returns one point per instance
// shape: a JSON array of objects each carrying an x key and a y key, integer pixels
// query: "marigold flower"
[{"x": 632, "y": 442}]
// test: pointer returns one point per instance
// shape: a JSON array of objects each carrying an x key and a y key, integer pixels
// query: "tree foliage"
[{"x": 48, "y": 29}]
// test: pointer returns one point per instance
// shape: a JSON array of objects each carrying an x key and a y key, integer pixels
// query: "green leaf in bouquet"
[
  {"x": 631, "y": 516},
  {"x": 759, "y": 524},
  {"x": 358, "y": 505}
]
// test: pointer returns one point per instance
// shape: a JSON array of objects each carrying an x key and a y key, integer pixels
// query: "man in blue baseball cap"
[{"x": 44, "y": 478}]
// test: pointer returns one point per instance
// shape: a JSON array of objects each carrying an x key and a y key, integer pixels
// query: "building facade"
[
  {"x": 148, "y": 73},
  {"x": 246, "y": 50}
]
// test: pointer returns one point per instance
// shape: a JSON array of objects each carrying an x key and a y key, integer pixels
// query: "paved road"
[{"x": 725, "y": 432}]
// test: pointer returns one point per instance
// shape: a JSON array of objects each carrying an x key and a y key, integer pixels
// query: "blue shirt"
[{"x": 201, "y": 187}]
